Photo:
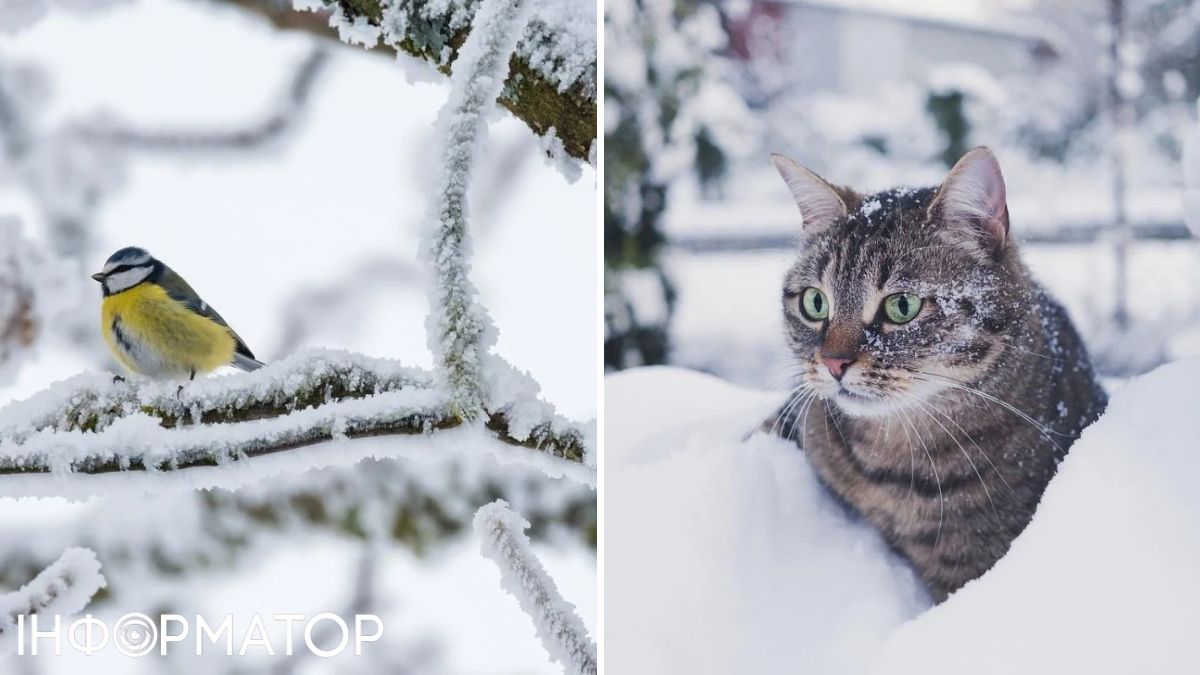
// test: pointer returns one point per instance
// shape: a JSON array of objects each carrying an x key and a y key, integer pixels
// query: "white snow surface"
[{"x": 724, "y": 554}]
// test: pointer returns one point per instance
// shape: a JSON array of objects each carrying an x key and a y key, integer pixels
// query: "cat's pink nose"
[{"x": 836, "y": 365}]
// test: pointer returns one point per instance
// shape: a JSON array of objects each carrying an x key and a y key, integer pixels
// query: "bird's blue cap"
[{"x": 130, "y": 255}]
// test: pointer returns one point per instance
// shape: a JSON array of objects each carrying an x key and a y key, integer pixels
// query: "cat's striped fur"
[{"x": 943, "y": 431}]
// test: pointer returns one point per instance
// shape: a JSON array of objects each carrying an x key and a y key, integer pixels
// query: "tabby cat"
[{"x": 939, "y": 385}]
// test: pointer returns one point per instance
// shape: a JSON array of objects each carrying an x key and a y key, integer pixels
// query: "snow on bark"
[
  {"x": 555, "y": 155},
  {"x": 65, "y": 587},
  {"x": 560, "y": 42},
  {"x": 460, "y": 331},
  {"x": 558, "y": 626}
]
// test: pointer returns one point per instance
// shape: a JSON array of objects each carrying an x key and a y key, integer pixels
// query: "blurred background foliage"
[{"x": 1087, "y": 105}]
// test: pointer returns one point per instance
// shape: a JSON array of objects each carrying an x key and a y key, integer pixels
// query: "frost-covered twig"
[
  {"x": 460, "y": 331},
  {"x": 90, "y": 424},
  {"x": 552, "y": 78},
  {"x": 558, "y": 626},
  {"x": 64, "y": 587}
]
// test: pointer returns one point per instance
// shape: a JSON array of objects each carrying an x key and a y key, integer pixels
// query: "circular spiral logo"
[{"x": 135, "y": 634}]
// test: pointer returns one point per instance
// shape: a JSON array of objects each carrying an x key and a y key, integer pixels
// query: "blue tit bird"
[{"x": 156, "y": 325}]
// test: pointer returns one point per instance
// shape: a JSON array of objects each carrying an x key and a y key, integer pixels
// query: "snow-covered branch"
[
  {"x": 552, "y": 78},
  {"x": 460, "y": 331},
  {"x": 64, "y": 587},
  {"x": 558, "y": 626},
  {"x": 91, "y": 424}
]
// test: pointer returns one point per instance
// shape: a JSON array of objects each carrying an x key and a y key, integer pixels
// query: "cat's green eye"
[
  {"x": 901, "y": 307},
  {"x": 813, "y": 304}
]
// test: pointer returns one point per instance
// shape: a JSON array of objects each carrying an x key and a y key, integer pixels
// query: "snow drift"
[{"x": 724, "y": 554}]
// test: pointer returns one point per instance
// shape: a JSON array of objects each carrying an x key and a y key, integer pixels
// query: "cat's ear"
[
  {"x": 819, "y": 202},
  {"x": 973, "y": 197}
]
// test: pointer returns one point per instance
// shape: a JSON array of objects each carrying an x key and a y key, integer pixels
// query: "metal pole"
[{"x": 1119, "y": 113}]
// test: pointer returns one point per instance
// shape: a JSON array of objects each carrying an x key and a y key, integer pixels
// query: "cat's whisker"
[
  {"x": 936, "y": 478},
  {"x": 963, "y": 386},
  {"x": 833, "y": 414},
  {"x": 972, "y": 441},
  {"x": 802, "y": 419},
  {"x": 964, "y": 452},
  {"x": 793, "y": 396},
  {"x": 912, "y": 456},
  {"x": 798, "y": 404},
  {"x": 1008, "y": 345}
]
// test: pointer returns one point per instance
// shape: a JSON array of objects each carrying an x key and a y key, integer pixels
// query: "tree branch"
[
  {"x": 294, "y": 102},
  {"x": 461, "y": 333},
  {"x": 92, "y": 425},
  {"x": 549, "y": 85},
  {"x": 558, "y": 626}
]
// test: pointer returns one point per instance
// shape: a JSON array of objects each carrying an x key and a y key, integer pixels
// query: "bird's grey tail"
[{"x": 246, "y": 363}]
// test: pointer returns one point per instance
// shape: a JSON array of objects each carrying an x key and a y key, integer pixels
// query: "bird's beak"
[{"x": 98, "y": 276}]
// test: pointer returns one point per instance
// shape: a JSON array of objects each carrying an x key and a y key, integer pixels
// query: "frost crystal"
[
  {"x": 558, "y": 626},
  {"x": 560, "y": 43},
  {"x": 358, "y": 30}
]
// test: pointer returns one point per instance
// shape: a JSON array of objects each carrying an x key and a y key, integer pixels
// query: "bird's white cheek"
[{"x": 127, "y": 279}]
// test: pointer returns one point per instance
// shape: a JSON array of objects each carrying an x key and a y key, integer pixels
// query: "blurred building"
[{"x": 850, "y": 46}]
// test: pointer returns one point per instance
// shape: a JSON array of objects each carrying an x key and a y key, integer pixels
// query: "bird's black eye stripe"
[{"x": 119, "y": 268}]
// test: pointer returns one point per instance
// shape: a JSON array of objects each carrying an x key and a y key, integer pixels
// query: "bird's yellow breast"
[{"x": 152, "y": 334}]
